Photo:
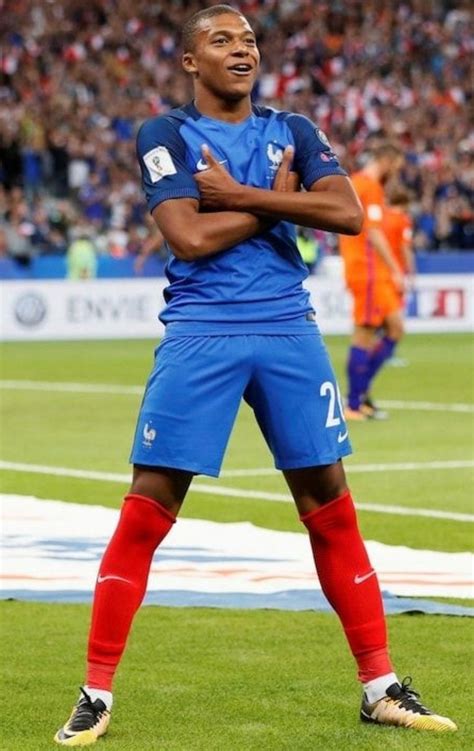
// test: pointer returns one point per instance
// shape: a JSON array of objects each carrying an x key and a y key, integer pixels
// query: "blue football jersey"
[{"x": 259, "y": 281}]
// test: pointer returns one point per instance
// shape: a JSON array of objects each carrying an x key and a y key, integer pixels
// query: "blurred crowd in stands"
[{"x": 77, "y": 80}]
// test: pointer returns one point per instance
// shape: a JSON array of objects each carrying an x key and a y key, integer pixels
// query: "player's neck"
[
  {"x": 372, "y": 170},
  {"x": 221, "y": 109}
]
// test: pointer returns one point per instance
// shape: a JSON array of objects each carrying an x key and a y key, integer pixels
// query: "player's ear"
[{"x": 189, "y": 63}]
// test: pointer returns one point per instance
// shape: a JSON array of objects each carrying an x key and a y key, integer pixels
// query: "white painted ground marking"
[
  {"x": 229, "y": 492},
  {"x": 81, "y": 474},
  {"x": 76, "y": 388},
  {"x": 54, "y": 549},
  {"x": 106, "y": 388},
  {"x": 255, "y": 472},
  {"x": 427, "y": 406},
  {"x": 351, "y": 468}
]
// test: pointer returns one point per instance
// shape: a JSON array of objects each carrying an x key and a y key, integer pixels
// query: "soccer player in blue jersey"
[{"x": 220, "y": 177}]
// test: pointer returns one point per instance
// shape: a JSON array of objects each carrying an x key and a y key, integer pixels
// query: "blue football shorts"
[{"x": 194, "y": 391}]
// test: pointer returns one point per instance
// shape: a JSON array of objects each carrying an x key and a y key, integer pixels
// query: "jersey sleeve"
[
  {"x": 314, "y": 157},
  {"x": 161, "y": 154}
]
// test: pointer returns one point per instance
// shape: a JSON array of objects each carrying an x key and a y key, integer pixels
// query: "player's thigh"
[
  {"x": 190, "y": 403},
  {"x": 366, "y": 311},
  {"x": 392, "y": 311},
  {"x": 297, "y": 401}
]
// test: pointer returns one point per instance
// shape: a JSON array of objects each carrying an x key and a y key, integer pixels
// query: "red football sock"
[
  {"x": 344, "y": 571},
  {"x": 121, "y": 584}
]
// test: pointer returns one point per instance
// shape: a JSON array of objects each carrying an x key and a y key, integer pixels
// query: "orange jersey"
[
  {"x": 361, "y": 260},
  {"x": 397, "y": 226}
]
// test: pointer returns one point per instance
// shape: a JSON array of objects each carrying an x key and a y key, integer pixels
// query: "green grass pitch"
[{"x": 231, "y": 680}]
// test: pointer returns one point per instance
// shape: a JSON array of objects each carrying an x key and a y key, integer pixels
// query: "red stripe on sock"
[
  {"x": 342, "y": 564},
  {"x": 121, "y": 584}
]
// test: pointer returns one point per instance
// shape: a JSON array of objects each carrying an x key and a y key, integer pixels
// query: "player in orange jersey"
[{"x": 375, "y": 278}]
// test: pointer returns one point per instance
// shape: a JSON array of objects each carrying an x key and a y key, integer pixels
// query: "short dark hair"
[
  {"x": 191, "y": 27},
  {"x": 386, "y": 148},
  {"x": 399, "y": 196}
]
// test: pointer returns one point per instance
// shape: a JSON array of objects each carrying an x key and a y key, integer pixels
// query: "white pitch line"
[
  {"x": 69, "y": 387},
  {"x": 426, "y": 406},
  {"x": 388, "y": 467},
  {"x": 256, "y": 472},
  {"x": 106, "y": 388},
  {"x": 229, "y": 492}
]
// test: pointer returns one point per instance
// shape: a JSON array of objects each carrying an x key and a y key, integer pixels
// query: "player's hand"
[
  {"x": 216, "y": 185},
  {"x": 399, "y": 280},
  {"x": 286, "y": 180},
  {"x": 139, "y": 263},
  {"x": 410, "y": 282}
]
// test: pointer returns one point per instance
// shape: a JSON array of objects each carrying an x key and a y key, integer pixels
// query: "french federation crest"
[
  {"x": 275, "y": 155},
  {"x": 149, "y": 435}
]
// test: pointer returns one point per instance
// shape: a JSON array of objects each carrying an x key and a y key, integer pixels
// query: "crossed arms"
[{"x": 229, "y": 212}]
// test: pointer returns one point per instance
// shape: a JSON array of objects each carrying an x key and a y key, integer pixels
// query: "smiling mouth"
[{"x": 241, "y": 69}]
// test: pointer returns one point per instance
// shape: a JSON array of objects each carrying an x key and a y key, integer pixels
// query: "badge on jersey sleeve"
[
  {"x": 322, "y": 136},
  {"x": 374, "y": 212},
  {"x": 159, "y": 163}
]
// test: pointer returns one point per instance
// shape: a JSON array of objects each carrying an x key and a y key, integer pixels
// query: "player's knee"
[
  {"x": 330, "y": 486},
  {"x": 313, "y": 487},
  {"x": 331, "y": 492},
  {"x": 167, "y": 487},
  {"x": 363, "y": 337},
  {"x": 141, "y": 519},
  {"x": 334, "y": 518},
  {"x": 395, "y": 329},
  {"x": 398, "y": 332}
]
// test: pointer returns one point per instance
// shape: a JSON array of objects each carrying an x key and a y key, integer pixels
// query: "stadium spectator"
[
  {"x": 425, "y": 229},
  {"x": 308, "y": 247},
  {"x": 19, "y": 231},
  {"x": 3, "y": 243},
  {"x": 361, "y": 70},
  {"x": 81, "y": 257},
  {"x": 239, "y": 323}
]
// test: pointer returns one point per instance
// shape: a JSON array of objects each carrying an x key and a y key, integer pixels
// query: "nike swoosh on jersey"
[
  {"x": 101, "y": 579},
  {"x": 359, "y": 579},
  {"x": 202, "y": 165},
  {"x": 342, "y": 436}
]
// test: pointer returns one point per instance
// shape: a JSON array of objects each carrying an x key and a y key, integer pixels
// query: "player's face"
[{"x": 225, "y": 60}]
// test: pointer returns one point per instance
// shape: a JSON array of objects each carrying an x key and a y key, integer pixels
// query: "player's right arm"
[
  {"x": 372, "y": 200},
  {"x": 379, "y": 242},
  {"x": 173, "y": 198},
  {"x": 192, "y": 235}
]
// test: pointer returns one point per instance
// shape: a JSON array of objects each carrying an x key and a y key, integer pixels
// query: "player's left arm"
[
  {"x": 330, "y": 204},
  {"x": 329, "y": 201}
]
